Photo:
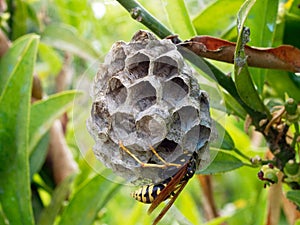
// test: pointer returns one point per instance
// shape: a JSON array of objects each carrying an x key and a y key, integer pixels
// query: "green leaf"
[
  {"x": 44, "y": 112},
  {"x": 218, "y": 19},
  {"x": 294, "y": 196},
  {"x": 246, "y": 89},
  {"x": 215, "y": 96},
  {"x": 59, "y": 195},
  {"x": 2, "y": 218},
  {"x": 87, "y": 202},
  {"x": 24, "y": 18},
  {"x": 223, "y": 162},
  {"x": 243, "y": 81},
  {"x": 224, "y": 138},
  {"x": 179, "y": 18},
  {"x": 38, "y": 155},
  {"x": 217, "y": 221},
  {"x": 262, "y": 23},
  {"x": 19, "y": 18},
  {"x": 66, "y": 38},
  {"x": 233, "y": 107},
  {"x": 292, "y": 23},
  {"x": 282, "y": 83},
  {"x": 12, "y": 61},
  {"x": 51, "y": 58},
  {"x": 14, "y": 123}
]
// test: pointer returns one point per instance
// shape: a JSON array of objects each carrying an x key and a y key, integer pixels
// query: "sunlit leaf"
[
  {"x": 226, "y": 141},
  {"x": 218, "y": 19},
  {"x": 44, "y": 112},
  {"x": 19, "y": 19},
  {"x": 11, "y": 61},
  {"x": 87, "y": 202},
  {"x": 233, "y": 107},
  {"x": 59, "y": 195},
  {"x": 38, "y": 155},
  {"x": 217, "y": 221},
  {"x": 223, "y": 162},
  {"x": 14, "y": 125},
  {"x": 262, "y": 23},
  {"x": 294, "y": 196},
  {"x": 65, "y": 37},
  {"x": 282, "y": 84},
  {"x": 179, "y": 18},
  {"x": 243, "y": 81},
  {"x": 50, "y": 58}
]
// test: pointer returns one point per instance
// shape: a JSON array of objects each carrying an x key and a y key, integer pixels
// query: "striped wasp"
[{"x": 169, "y": 188}]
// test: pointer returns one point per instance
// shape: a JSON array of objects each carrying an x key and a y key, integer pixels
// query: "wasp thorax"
[{"x": 145, "y": 94}]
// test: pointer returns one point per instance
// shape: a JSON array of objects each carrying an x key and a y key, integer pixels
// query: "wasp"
[{"x": 169, "y": 188}]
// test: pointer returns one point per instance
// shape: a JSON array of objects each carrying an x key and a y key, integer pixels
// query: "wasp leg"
[
  {"x": 161, "y": 159},
  {"x": 165, "y": 164}
]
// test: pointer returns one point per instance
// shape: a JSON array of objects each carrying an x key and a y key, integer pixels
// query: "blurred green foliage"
[{"x": 74, "y": 36}]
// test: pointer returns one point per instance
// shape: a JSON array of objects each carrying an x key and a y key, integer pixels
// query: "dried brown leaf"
[{"x": 284, "y": 57}]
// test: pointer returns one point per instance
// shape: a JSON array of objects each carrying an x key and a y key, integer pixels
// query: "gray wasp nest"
[{"x": 144, "y": 94}]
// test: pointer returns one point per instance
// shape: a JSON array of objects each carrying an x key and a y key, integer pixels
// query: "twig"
[
  {"x": 208, "y": 197},
  {"x": 141, "y": 15}
]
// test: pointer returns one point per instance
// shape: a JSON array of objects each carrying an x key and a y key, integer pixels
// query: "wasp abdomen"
[{"x": 147, "y": 193}]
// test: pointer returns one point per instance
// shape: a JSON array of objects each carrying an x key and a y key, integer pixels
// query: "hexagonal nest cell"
[{"x": 144, "y": 95}]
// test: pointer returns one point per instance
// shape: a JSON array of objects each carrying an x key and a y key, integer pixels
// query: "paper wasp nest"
[{"x": 144, "y": 95}]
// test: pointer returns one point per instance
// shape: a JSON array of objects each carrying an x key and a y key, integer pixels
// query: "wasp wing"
[
  {"x": 175, "y": 183},
  {"x": 170, "y": 203}
]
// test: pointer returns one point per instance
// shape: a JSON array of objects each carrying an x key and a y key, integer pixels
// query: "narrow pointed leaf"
[
  {"x": 14, "y": 125},
  {"x": 262, "y": 22},
  {"x": 179, "y": 18},
  {"x": 59, "y": 195},
  {"x": 38, "y": 155},
  {"x": 11, "y": 61},
  {"x": 294, "y": 196},
  {"x": 44, "y": 112},
  {"x": 224, "y": 138},
  {"x": 87, "y": 202},
  {"x": 65, "y": 38},
  {"x": 243, "y": 81},
  {"x": 233, "y": 107},
  {"x": 218, "y": 19},
  {"x": 223, "y": 162}
]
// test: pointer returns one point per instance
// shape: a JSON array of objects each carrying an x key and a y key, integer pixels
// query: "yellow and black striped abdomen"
[{"x": 147, "y": 193}]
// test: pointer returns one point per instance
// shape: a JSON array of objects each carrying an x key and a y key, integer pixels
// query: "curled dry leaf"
[{"x": 284, "y": 57}]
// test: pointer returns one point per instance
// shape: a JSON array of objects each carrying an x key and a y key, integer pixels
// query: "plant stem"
[{"x": 140, "y": 14}]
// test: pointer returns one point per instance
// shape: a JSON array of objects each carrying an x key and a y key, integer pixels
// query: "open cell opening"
[
  {"x": 138, "y": 66},
  {"x": 175, "y": 90},
  {"x": 100, "y": 113},
  {"x": 143, "y": 95},
  {"x": 116, "y": 93},
  {"x": 165, "y": 67}
]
